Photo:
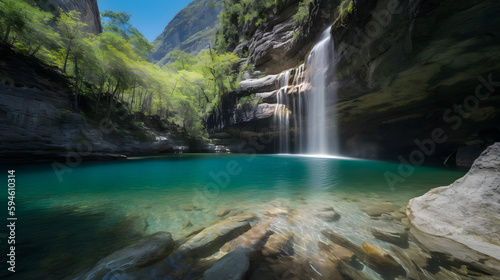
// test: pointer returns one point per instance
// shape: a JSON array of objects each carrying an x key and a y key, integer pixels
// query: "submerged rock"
[
  {"x": 377, "y": 209},
  {"x": 251, "y": 239},
  {"x": 143, "y": 253},
  {"x": 278, "y": 244},
  {"x": 222, "y": 212},
  {"x": 190, "y": 207},
  {"x": 209, "y": 240},
  {"x": 336, "y": 251},
  {"x": 350, "y": 272},
  {"x": 408, "y": 265},
  {"x": 391, "y": 231},
  {"x": 462, "y": 219},
  {"x": 232, "y": 266},
  {"x": 277, "y": 211},
  {"x": 378, "y": 258},
  {"x": 326, "y": 263},
  {"x": 327, "y": 213},
  {"x": 247, "y": 216},
  {"x": 371, "y": 255},
  {"x": 187, "y": 224},
  {"x": 212, "y": 238}
]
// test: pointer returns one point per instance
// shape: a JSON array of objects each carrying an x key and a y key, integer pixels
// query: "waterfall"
[
  {"x": 282, "y": 114},
  {"x": 308, "y": 104},
  {"x": 321, "y": 133}
]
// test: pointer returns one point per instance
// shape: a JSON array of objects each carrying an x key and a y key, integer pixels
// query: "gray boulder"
[
  {"x": 143, "y": 253},
  {"x": 232, "y": 266},
  {"x": 462, "y": 219}
]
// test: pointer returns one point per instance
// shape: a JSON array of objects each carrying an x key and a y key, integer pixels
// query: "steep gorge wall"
[
  {"x": 88, "y": 9},
  {"x": 38, "y": 121},
  {"x": 401, "y": 71}
]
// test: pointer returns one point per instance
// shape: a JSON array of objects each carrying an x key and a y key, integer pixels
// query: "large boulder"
[
  {"x": 462, "y": 219},
  {"x": 232, "y": 266},
  {"x": 143, "y": 253}
]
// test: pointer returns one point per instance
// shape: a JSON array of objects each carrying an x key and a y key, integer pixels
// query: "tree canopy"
[{"x": 111, "y": 68}]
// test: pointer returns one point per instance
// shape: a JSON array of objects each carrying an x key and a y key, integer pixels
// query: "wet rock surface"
[
  {"x": 265, "y": 245},
  {"x": 463, "y": 213},
  {"x": 232, "y": 266},
  {"x": 143, "y": 253},
  {"x": 391, "y": 231},
  {"x": 209, "y": 240},
  {"x": 422, "y": 60}
]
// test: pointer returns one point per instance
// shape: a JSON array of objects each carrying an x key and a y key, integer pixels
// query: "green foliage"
[
  {"x": 238, "y": 13},
  {"x": 25, "y": 26},
  {"x": 110, "y": 70},
  {"x": 303, "y": 12},
  {"x": 345, "y": 8},
  {"x": 248, "y": 101},
  {"x": 119, "y": 23}
]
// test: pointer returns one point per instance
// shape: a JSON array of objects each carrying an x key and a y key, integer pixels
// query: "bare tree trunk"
[
  {"x": 77, "y": 89},
  {"x": 99, "y": 99},
  {"x": 133, "y": 97},
  {"x": 7, "y": 33},
  {"x": 36, "y": 49},
  {"x": 67, "y": 55},
  {"x": 111, "y": 98}
]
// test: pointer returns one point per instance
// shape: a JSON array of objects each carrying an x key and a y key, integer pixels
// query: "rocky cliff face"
[
  {"x": 404, "y": 72},
  {"x": 38, "y": 122},
  {"x": 87, "y": 8},
  {"x": 191, "y": 30}
]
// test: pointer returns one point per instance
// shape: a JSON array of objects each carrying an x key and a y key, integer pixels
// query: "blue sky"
[{"x": 149, "y": 16}]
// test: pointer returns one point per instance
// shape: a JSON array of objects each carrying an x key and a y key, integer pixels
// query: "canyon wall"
[{"x": 410, "y": 76}]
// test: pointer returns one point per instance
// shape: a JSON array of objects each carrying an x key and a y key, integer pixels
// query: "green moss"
[
  {"x": 302, "y": 13},
  {"x": 345, "y": 8}
]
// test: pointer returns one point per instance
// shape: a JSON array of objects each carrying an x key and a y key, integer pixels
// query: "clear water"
[{"x": 66, "y": 227}]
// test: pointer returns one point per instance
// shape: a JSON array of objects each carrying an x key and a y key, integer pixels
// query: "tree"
[
  {"x": 17, "y": 15},
  {"x": 71, "y": 29},
  {"x": 180, "y": 60},
  {"x": 119, "y": 23}
]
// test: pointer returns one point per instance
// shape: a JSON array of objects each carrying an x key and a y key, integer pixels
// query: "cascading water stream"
[
  {"x": 321, "y": 136},
  {"x": 282, "y": 113},
  {"x": 309, "y": 103}
]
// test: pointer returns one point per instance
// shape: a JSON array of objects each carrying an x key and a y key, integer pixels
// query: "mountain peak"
[{"x": 191, "y": 30}]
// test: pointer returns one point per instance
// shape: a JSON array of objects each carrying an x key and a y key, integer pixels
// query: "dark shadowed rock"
[
  {"x": 252, "y": 239},
  {"x": 371, "y": 255},
  {"x": 143, "y": 253},
  {"x": 232, "y": 266}
]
